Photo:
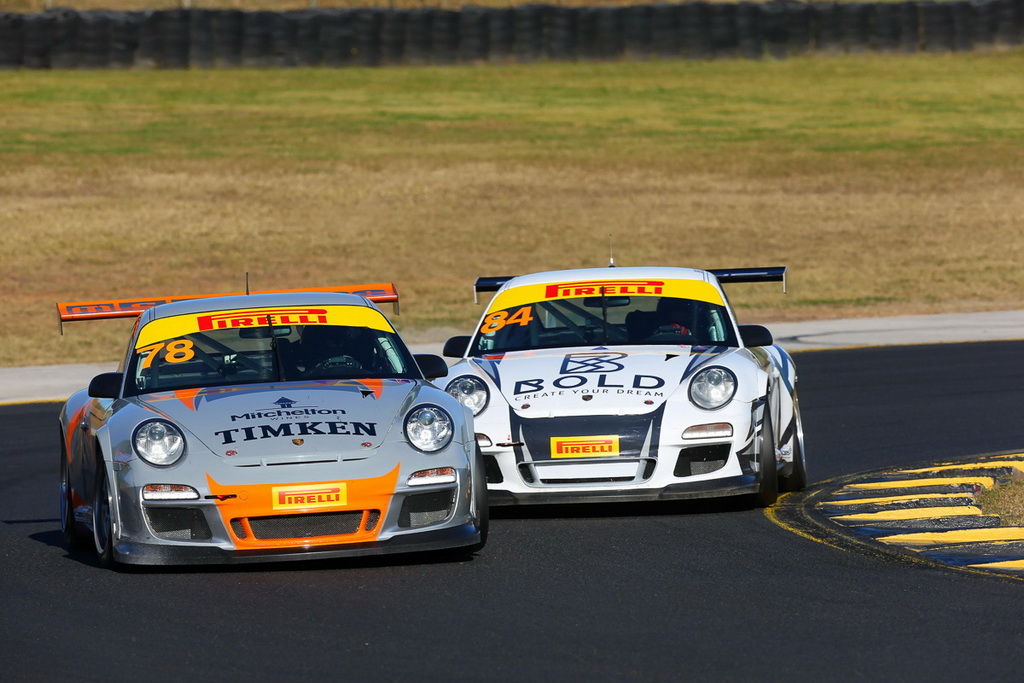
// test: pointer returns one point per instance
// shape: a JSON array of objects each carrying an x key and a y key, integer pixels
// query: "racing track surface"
[{"x": 628, "y": 591}]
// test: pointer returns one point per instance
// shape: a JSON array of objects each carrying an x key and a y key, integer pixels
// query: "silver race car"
[
  {"x": 274, "y": 426},
  {"x": 628, "y": 384}
]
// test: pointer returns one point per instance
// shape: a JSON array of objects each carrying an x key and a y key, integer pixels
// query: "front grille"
[
  {"x": 238, "y": 528},
  {"x": 371, "y": 520},
  {"x": 178, "y": 524},
  {"x": 701, "y": 459},
  {"x": 603, "y": 480},
  {"x": 307, "y": 525},
  {"x": 425, "y": 508}
]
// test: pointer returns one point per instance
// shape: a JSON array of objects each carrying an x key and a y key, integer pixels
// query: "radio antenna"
[
  {"x": 247, "y": 282},
  {"x": 611, "y": 254}
]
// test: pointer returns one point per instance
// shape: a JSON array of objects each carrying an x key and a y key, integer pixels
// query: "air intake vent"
[
  {"x": 701, "y": 459},
  {"x": 178, "y": 524},
  {"x": 425, "y": 508},
  {"x": 306, "y": 526},
  {"x": 238, "y": 528}
]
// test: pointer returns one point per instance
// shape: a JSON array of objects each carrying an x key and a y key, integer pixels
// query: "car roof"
[
  {"x": 225, "y": 303},
  {"x": 609, "y": 273}
]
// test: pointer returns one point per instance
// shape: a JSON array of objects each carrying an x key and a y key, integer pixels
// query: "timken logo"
[
  {"x": 584, "y": 446},
  {"x": 257, "y": 318},
  {"x": 322, "y": 496},
  {"x": 594, "y": 287}
]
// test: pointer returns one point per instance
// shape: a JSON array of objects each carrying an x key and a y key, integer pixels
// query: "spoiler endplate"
[{"x": 489, "y": 284}]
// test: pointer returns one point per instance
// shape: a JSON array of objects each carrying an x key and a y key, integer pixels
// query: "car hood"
[
  {"x": 286, "y": 421},
  {"x": 587, "y": 381}
]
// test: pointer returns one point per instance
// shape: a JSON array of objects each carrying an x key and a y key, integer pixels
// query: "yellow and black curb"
[{"x": 920, "y": 515}]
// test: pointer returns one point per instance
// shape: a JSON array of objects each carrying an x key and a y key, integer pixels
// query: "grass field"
[{"x": 889, "y": 184}]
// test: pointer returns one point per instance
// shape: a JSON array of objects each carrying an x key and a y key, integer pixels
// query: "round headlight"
[
  {"x": 428, "y": 428},
  {"x": 712, "y": 388},
  {"x": 470, "y": 391},
  {"x": 158, "y": 442}
]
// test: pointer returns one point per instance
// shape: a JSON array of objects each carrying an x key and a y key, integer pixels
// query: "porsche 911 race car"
[
  {"x": 271, "y": 426},
  {"x": 628, "y": 384}
]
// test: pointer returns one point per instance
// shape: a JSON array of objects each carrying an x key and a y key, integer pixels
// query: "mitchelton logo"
[
  {"x": 307, "y": 496},
  {"x": 584, "y": 446},
  {"x": 608, "y": 287},
  {"x": 261, "y": 317}
]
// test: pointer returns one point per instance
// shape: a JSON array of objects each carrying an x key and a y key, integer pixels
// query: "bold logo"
[
  {"x": 608, "y": 287},
  {"x": 591, "y": 362},
  {"x": 584, "y": 446},
  {"x": 284, "y": 403},
  {"x": 325, "y": 495},
  {"x": 298, "y": 442},
  {"x": 262, "y": 317},
  {"x": 285, "y": 407}
]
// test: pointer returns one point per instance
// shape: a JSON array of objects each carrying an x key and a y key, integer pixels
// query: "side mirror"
[
  {"x": 107, "y": 385},
  {"x": 456, "y": 347},
  {"x": 432, "y": 366},
  {"x": 756, "y": 335}
]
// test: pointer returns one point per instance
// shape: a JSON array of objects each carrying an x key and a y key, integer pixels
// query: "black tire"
[
  {"x": 102, "y": 519},
  {"x": 75, "y": 536},
  {"x": 768, "y": 484},
  {"x": 483, "y": 513},
  {"x": 795, "y": 478}
]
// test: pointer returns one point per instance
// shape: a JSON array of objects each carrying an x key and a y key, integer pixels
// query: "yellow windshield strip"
[
  {"x": 163, "y": 329},
  {"x": 697, "y": 290}
]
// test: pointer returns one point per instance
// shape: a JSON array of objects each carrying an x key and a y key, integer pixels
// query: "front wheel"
[
  {"x": 74, "y": 536},
  {"x": 796, "y": 477},
  {"x": 480, "y": 505},
  {"x": 768, "y": 483},
  {"x": 102, "y": 519}
]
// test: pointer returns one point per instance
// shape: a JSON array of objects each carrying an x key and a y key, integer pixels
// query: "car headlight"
[
  {"x": 428, "y": 428},
  {"x": 158, "y": 442},
  {"x": 712, "y": 388},
  {"x": 471, "y": 392}
]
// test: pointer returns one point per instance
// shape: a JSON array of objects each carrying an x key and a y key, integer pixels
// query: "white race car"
[{"x": 627, "y": 384}]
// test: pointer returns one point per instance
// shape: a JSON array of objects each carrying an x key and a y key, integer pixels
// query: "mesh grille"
[
  {"x": 426, "y": 508},
  {"x": 371, "y": 519},
  {"x": 238, "y": 528},
  {"x": 178, "y": 524},
  {"x": 701, "y": 460},
  {"x": 305, "y": 526}
]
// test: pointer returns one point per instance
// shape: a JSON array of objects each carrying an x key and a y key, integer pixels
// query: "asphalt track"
[{"x": 659, "y": 592}]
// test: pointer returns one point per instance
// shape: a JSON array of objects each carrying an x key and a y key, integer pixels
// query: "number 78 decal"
[{"x": 178, "y": 351}]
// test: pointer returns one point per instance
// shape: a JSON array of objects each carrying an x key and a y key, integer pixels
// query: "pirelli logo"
[
  {"x": 610, "y": 287},
  {"x": 259, "y": 318},
  {"x": 320, "y": 496},
  {"x": 584, "y": 446}
]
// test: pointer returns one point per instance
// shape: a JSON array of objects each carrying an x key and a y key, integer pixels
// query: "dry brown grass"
[
  {"x": 903, "y": 200},
  {"x": 1005, "y": 500}
]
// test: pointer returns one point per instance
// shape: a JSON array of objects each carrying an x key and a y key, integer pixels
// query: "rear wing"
[
  {"x": 768, "y": 274},
  {"x": 69, "y": 311},
  {"x": 489, "y": 284}
]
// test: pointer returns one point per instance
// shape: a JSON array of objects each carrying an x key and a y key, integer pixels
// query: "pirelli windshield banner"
[
  {"x": 181, "y": 325},
  {"x": 697, "y": 290}
]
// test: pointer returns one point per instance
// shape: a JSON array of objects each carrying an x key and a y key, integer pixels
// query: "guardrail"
[{"x": 179, "y": 39}]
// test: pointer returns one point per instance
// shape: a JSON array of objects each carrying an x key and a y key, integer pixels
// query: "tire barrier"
[{"x": 187, "y": 38}]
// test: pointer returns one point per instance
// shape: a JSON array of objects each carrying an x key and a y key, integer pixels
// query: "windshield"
[
  {"x": 252, "y": 354},
  {"x": 605, "y": 321}
]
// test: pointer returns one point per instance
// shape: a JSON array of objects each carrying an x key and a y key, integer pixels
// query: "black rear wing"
[
  {"x": 489, "y": 284},
  {"x": 768, "y": 274}
]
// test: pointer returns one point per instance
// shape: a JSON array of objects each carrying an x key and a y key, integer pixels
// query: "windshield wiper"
[
  {"x": 604, "y": 316},
  {"x": 276, "y": 349}
]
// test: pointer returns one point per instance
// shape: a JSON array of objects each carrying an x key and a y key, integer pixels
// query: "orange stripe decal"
[
  {"x": 245, "y": 501},
  {"x": 188, "y": 397}
]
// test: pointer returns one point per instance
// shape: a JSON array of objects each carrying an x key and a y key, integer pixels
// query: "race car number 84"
[{"x": 496, "y": 321}]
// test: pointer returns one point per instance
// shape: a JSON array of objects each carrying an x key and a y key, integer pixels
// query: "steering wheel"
[{"x": 325, "y": 365}]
